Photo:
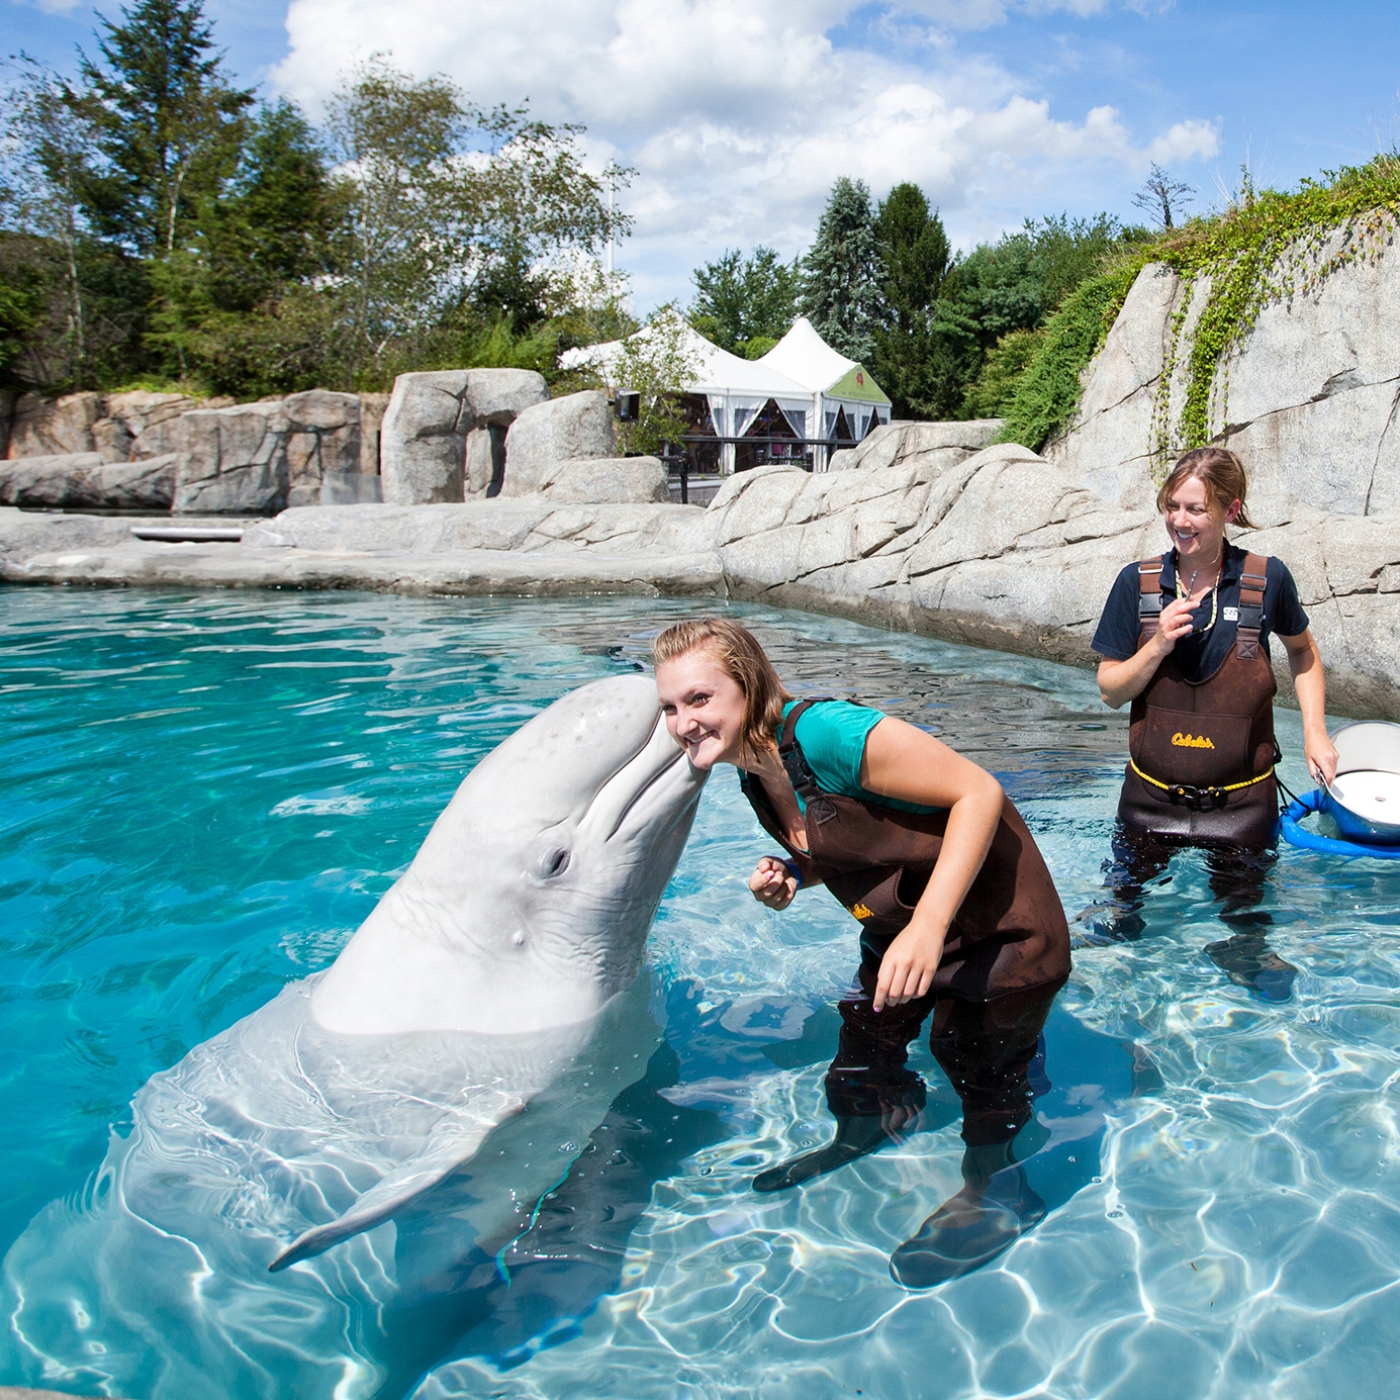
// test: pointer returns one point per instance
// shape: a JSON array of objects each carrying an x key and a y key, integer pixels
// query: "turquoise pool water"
[{"x": 203, "y": 796}]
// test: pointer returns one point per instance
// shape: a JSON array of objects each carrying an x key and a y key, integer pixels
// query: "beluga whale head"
[{"x": 529, "y": 903}]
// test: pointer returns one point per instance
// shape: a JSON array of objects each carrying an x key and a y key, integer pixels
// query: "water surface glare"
[{"x": 203, "y": 796}]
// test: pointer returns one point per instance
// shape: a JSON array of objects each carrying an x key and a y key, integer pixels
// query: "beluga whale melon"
[{"x": 289, "y": 1182}]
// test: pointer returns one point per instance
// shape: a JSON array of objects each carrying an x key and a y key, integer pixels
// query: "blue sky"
[{"x": 738, "y": 113}]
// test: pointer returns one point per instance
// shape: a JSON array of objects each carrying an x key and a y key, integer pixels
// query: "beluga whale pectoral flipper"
[{"x": 260, "y": 1213}]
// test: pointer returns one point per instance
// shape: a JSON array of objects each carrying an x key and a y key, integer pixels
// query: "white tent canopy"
[
  {"x": 835, "y": 382},
  {"x": 808, "y": 380}
]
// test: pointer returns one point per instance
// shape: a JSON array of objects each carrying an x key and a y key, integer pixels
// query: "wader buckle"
[{"x": 1198, "y": 799}]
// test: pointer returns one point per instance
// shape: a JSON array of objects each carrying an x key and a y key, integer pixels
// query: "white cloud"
[{"x": 738, "y": 114}]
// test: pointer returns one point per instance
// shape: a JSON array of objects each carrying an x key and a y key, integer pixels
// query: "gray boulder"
[
  {"x": 899, "y": 441},
  {"x": 84, "y": 481},
  {"x": 561, "y": 430},
  {"x": 423, "y": 442},
  {"x": 607, "y": 480},
  {"x": 44, "y": 427},
  {"x": 233, "y": 459},
  {"x": 500, "y": 396},
  {"x": 140, "y": 423},
  {"x": 323, "y": 435}
]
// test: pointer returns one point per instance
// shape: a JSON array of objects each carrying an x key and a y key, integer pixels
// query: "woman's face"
[
  {"x": 1192, "y": 525},
  {"x": 703, "y": 707}
]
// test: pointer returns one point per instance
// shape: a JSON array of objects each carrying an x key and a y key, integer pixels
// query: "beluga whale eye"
[{"x": 553, "y": 863}]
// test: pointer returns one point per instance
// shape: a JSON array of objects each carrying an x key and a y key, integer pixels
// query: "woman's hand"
[
  {"x": 907, "y": 969},
  {"x": 1121, "y": 681},
  {"x": 1321, "y": 755},
  {"x": 1173, "y": 624},
  {"x": 773, "y": 883}
]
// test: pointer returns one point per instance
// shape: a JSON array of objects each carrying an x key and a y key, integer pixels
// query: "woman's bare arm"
[
  {"x": 903, "y": 762},
  {"x": 1310, "y": 686}
]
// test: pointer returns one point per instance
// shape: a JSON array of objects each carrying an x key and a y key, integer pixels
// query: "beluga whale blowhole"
[{"x": 464, "y": 1044}]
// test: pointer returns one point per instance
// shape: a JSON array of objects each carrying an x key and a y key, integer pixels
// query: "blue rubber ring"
[
  {"x": 1294, "y": 834},
  {"x": 796, "y": 873}
]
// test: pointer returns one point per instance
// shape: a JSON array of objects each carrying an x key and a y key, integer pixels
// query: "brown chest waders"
[
  {"x": 1202, "y": 753},
  {"x": 1010, "y": 932}
]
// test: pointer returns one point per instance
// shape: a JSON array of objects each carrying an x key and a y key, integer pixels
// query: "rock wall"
[
  {"x": 84, "y": 481},
  {"x": 1308, "y": 398},
  {"x": 257, "y": 458},
  {"x": 436, "y": 443},
  {"x": 126, "y": 427},
  {"x": 213, "y": 455},
  {"x": 1001, "y": 548}
]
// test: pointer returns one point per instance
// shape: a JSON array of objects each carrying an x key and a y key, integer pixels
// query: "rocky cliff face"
[{"x": 1308, "y": 397}]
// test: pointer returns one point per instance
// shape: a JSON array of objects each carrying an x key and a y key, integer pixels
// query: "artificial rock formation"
[
  {"x": 259, "y": 457},
  {"x": 1000, "y": 548},
  {"x": 425, "y": 455},
  {"x": 562, "y": 430},
  {"x": 135, "y": 425},
  {"x": 1308, "y": 397},
  {"x": 84, "y": 481},
  {"x": 604, "y": 480}
]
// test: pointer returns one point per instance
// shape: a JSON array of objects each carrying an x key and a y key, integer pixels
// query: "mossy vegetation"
[{"x": 1268, "y": 246}]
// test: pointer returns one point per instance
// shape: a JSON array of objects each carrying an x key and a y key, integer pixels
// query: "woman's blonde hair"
[
  {"x": 1224, "y": 478},
  {"x": 743, "y": 660}
]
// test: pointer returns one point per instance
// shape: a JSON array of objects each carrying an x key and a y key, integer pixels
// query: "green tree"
[
  {"x": 1014, "y": 285},
  {"x": 75, "y": 303},
  {"x": 907, "y": 359},
  {"x": 658, "y": 364},
  {"x": 426, "y": 228},
  {"x": 168, "y": 123},
  {"x": 740, "y": 301},
  {"x": 841, "y": 272}
]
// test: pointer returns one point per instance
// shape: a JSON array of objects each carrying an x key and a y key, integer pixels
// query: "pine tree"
[
  {"x": 913, "y": 256},
  {"x": 169, "y": 125},
  {"x": 908, "y": 361},
  {"x": 841, "y": 272}
]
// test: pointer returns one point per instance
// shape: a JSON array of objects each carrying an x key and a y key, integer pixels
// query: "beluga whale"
[{"x": 291, "y": 1179}]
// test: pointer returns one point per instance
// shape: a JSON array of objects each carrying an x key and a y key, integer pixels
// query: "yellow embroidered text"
[{"x": 1187, "y": 741}]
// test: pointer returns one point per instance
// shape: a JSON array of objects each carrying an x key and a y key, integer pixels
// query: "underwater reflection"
[{"x": 986, "y": 1049}]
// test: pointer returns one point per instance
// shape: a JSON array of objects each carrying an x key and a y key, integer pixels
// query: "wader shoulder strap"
[
  {"x": 795, "y": 764},
  {"x": 1149, "y": 596},
  {"x": 1252, "y": 582}
]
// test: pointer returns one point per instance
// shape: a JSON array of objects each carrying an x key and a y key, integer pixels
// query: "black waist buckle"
[{"x": 1198, "y": 799}]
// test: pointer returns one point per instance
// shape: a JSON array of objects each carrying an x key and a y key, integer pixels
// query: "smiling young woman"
[
  {"x": 958, "y": 916},
  {"x": 1184, "y": 637}
]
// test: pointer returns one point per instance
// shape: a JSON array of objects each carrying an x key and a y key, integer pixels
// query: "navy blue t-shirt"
[{"x": 1201, "y": 654}]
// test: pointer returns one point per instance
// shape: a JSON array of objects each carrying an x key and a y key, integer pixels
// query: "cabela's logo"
[
  {"x": 862, "y": 911},
  {"x": 1189, "y": 741}
]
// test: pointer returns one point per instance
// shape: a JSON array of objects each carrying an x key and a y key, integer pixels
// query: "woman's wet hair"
[
  {"x": 1223, "y": 475},
  {"x": 743, "y": 660}
]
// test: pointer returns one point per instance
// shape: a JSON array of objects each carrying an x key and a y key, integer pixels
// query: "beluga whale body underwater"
[{"x": 288, "y": 1181}]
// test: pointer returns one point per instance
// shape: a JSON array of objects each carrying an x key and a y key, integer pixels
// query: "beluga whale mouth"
[{"x": 529, "y": 903}]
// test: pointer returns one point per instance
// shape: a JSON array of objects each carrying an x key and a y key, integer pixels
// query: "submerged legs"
[
  {"x": 987, "y": 1050},
  {"x": 1238, "y": 876}
]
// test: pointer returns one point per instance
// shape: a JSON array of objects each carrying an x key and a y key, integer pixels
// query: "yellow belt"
[{"x": 1229, "y": 787}]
